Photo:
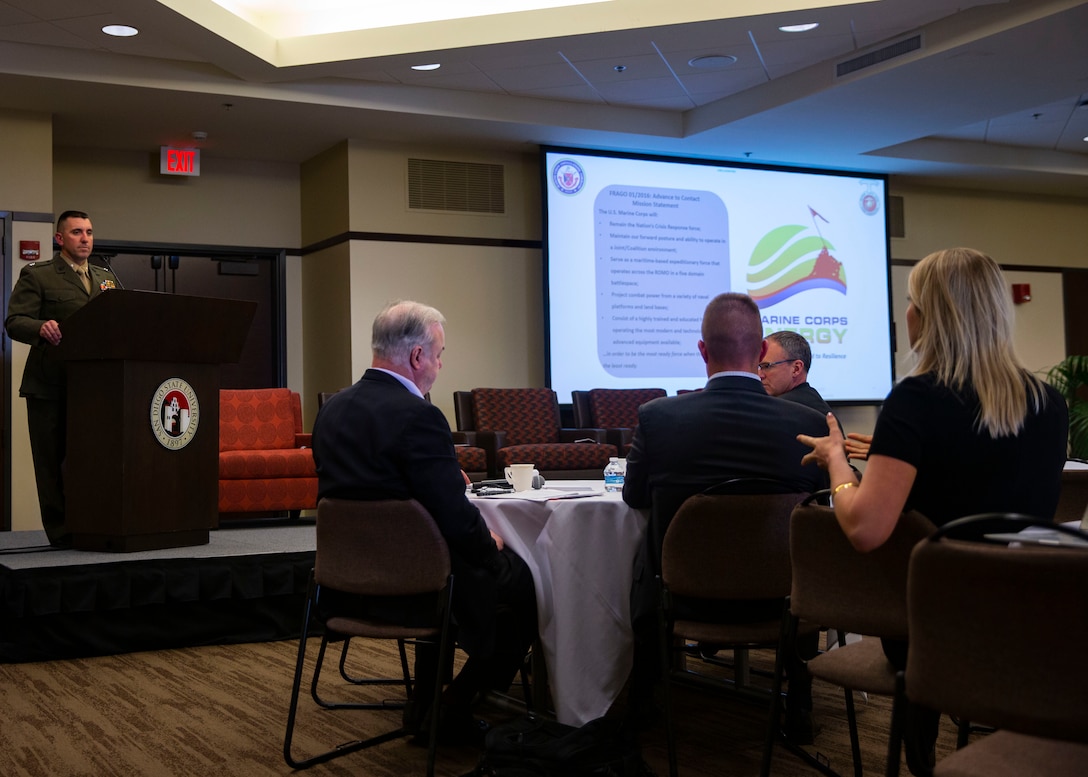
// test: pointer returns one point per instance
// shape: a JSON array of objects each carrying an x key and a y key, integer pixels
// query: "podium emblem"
[{"x": 175, "y": 413}]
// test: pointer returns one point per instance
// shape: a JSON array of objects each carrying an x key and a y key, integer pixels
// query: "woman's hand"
[
  {"x": 825, "y": 450},
  {"x": 857, "y": 445}
]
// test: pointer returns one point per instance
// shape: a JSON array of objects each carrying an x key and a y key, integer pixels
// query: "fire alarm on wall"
[
  {"x": 1021, "y": 293},
  {"x": 30, "y": 250}
]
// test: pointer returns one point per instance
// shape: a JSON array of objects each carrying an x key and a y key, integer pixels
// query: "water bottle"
[{"x": 613, "y": 474}]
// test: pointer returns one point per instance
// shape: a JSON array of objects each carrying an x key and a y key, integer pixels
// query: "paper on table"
[{"x": 546, "y": 494}]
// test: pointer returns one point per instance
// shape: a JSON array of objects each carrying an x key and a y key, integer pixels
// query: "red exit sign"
[{"x": 179, "y": 161}]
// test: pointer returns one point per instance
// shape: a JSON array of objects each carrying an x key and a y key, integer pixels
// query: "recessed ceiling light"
[
  {"x": 712, "y": 61},
  {"x": 433, "y": 66},
  {"x": 120, "y": 30},
  {"x": 799, "y": 27}
]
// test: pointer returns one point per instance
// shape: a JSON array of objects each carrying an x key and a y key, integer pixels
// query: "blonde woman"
[{"x": 969, "y": 430}]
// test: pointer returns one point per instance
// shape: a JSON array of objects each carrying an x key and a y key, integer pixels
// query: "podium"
[{"x": 142, "y": 467}]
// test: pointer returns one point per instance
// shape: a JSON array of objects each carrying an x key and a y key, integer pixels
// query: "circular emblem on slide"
[
  {"x": 568, "y": 176},
  {"x": 870, "y": 205},
  {"x": 175, "y": 413}
]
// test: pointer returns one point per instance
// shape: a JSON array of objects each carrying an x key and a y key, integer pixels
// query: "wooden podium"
[{"x": 142, "y": 468}]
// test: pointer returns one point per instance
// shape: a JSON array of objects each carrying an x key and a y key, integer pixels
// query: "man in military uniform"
[{"x": 45, "y": 295}]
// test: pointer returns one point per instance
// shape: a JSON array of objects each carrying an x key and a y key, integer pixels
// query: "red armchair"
[
  {"x": 614, "y": 410},
  {"x": 265, "y": 461},
  {"x": 521, "y": 425}
]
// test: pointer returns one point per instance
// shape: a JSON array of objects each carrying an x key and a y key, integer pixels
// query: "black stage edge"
[{"x": 245, "y": 585}]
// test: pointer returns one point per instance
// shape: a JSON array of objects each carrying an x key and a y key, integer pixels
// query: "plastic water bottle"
[{"x": 613, "y": 474}]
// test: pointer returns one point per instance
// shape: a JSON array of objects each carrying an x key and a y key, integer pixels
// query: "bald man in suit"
[{"x": 731, "y": 429}]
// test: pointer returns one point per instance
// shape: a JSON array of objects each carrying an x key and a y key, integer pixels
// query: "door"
[{"x": 224, "y": 273}]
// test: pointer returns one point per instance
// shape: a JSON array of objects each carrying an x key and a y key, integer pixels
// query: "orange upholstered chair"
[
  {"x": 614, "y": 410},
  {"x": 265, "y": 461},
  {"x": 521, "y": 425}
]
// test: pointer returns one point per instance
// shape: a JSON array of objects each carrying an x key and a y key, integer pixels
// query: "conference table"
[{"x": 579, "y": 542}]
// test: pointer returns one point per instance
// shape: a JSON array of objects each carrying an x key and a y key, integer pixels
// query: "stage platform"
[{"x": 248, "y": 584}]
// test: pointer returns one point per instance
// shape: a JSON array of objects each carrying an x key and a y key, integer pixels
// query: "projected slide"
[
  {"x": 636, "y": 247},
  {"x": 653, "y": 245}
]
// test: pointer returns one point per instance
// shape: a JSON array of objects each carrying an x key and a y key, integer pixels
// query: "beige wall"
[
  {"x": 1013, "y": 229},
  {"x": 231, "y": 203},
  {"x": 492, "y": 296},
  {"x": 26, "y": 162},
  {"x": 379, "y": 194},
  {"x": 26, "y": 184}
]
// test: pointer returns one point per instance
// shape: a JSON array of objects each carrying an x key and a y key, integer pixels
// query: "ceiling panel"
[{"x": 987, "y": 67}]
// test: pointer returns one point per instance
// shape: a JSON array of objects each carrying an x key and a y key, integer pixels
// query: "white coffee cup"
[{"x": 520, "y": 476}]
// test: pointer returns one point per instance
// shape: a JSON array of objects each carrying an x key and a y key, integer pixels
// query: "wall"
[
  {"x": 1013, "y": 229},
  {"x": 26, "y": 181},
  {"x": 491, "y": 292},
  {"x": 231, "y": 203},
  {"x": 26, "y": 185}
]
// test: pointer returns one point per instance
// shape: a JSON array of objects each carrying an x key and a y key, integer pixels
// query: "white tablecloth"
[{"x": 580, "y": 552}]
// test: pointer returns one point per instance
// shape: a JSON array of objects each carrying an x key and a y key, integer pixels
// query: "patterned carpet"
[{"x": 221, "y": 710}]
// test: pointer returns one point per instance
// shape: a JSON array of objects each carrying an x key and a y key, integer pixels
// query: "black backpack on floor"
[{"x": 535, "y": 747}]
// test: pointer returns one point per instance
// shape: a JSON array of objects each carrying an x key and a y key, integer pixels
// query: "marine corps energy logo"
[{"x": 791, "y": 259}]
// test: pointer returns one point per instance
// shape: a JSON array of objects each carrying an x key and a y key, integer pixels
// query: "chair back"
[
  {"x": 836, "y": 585},
  {"x": 386, "y": 547},
  {"x": 463, "y": 414},
  {"x": 729, "y": 546},
  {"x": 616, "y": 408},
  {"x": 998, "y": 635},
  {"x": 264, "y": 419},
  {"x": 527, "y": 415},
  {"x": 583, "y": 416}
]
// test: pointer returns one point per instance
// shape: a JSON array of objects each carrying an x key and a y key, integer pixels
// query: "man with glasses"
[{"x": 784, "y": 370}]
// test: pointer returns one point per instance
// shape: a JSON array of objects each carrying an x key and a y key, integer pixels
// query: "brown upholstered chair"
[
  {"x": 614, "y": 410},
  {"x": 521, "y": 425},
  {"x": 388, "y": 549},
  {"x": 836, "y": 586},
  {"x": 1073, "y": 502},
  {"x": 997, "y": 636},
  {"x": 724, "y": 548}
]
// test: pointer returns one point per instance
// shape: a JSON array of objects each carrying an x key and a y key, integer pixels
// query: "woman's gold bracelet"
[{"x": 841, "y": 486}]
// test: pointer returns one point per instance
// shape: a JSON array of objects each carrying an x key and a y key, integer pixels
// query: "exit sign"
[{"x": 179, "y": 161}]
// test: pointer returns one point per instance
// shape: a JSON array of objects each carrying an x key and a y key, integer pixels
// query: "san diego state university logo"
[{"x": 175, "y": 413}]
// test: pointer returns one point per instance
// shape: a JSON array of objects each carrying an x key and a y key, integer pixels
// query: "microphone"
[{"x": 109, "y": 266}]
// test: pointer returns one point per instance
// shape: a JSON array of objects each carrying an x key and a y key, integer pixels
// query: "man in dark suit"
[
  {"x": 784, "y": 370},
  {"x": 380, "y": 439},
  {"x": 731, "y": 429},
  {"x": 46, "y": 294}
]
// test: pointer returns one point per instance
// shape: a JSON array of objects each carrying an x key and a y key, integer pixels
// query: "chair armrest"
[
  {"x": 464, "y": 438},
  {"x": 574, "y": 435},
  {"x": 621, "y": 437},
  {"x": 303, "y": 440},
  {"x": 491, "y": 441}
]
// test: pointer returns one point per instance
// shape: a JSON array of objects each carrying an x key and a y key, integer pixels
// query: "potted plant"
[{"x": 1070, "y": 377}]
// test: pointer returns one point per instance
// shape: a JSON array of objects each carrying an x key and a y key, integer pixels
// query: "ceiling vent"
[
  {"x": 876, "y": 56},
  {"x": 464, "y": 187}
]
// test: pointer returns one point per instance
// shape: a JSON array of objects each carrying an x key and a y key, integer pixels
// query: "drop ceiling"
[{"x": 976, "y": 94}]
